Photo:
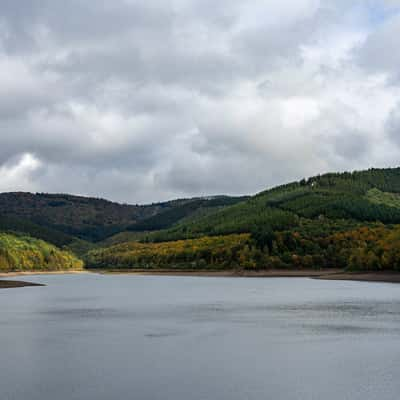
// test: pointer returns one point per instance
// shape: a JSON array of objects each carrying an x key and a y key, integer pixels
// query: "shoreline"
[
  {"x": 271, "y": 273},
  {"x": 383, "y": 277},
  {"x": 6, "y": 284},
  {"x": 323, "y": 274},
  {"x": 41, "y": 272},
  {"x": 17, "y": 284}
]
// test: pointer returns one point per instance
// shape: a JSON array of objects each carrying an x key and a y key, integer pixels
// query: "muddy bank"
[
  {"x": 225, "y": 273},
  {"x": 328, "y": 274},
  {"x": 389, "y": 277},
  {"x": 27, "y": 273},
  {"x": 16, "y": 284}
]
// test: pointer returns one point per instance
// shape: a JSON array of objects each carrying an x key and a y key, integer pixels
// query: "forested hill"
[
  {"x": 332, "y": 220},
  {"x": 58, "y": 218},
  {"x": 24, "y": 253},
  {"x": 363, "y": 196},
  {"x": 346, "y": 220}
]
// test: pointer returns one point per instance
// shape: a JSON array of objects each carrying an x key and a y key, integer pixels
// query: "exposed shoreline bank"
[
  {"x": 16, "y": 284},
  {"x": 5, "y": 284},
  {"x": 384, "y": 277},
  {"x": 41, "y": 272},
  {"x": 326, "y": 274}
]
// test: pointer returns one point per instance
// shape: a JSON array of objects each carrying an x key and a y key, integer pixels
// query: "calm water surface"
[{"x": 185, "y": 338}]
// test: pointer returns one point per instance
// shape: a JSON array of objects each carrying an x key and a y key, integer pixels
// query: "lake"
[{"x": 189, "y": 338}]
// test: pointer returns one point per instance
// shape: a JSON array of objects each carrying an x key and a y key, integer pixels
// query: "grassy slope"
[{"x": 383, "y": 198}]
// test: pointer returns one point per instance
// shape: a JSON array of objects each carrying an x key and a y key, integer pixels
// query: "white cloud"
[
  {"x": 16, "y": 174},
  {"x": 142, "y": 101}
]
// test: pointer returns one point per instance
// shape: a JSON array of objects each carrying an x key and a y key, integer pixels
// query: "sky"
[{"x": 140, "y": 101}]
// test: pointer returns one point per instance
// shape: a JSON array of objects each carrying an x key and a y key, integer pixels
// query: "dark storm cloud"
[{"x": 146, "y": 100}]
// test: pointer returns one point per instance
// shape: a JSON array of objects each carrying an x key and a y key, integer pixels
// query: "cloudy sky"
[{"x": 147, "y": 100}]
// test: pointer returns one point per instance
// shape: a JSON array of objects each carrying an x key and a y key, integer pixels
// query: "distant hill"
[
  {"x": 364, "y": 196},
  {"x": 87, "y": 218},
  {"x": 20, "y": 225},
  {"x": 183, "y": 211},
  {"x": 349, "y": 219},
  {"x": 59, "y": 217},
  {"x": 346, "y": 220}
]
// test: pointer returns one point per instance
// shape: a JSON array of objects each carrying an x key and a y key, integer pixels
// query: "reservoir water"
[{"x": 85, "y": 337}]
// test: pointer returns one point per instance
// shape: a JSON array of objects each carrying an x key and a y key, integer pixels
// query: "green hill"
[
  {"x": 58, "y": 217},
  {"x": 363, "y": 196},
  {"x": 186, "y": 210},
  {"x": 24, "y": 253},
  {"x": 12, "y": 224},
  {"x": 346, "y": 220}
]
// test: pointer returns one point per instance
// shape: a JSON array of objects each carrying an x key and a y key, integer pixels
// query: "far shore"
[
  {"x": 388, "y": 277},
  {"x": 269, "y": 273},
  {"x": 325, "y": 274}
]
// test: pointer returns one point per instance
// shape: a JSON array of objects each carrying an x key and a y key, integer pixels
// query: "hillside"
[
  {"x": 333, "y": 220},
  {"x": 219, "y": 251},
  {"x": 59, "y": 218},
  {"x": 363, "y": 196},
  {"x": 346, "y": 220},
  {"x": 87, "y": 218},
  {"x": 23, "y": 253},
  {"x": 12, "y": 224}
]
